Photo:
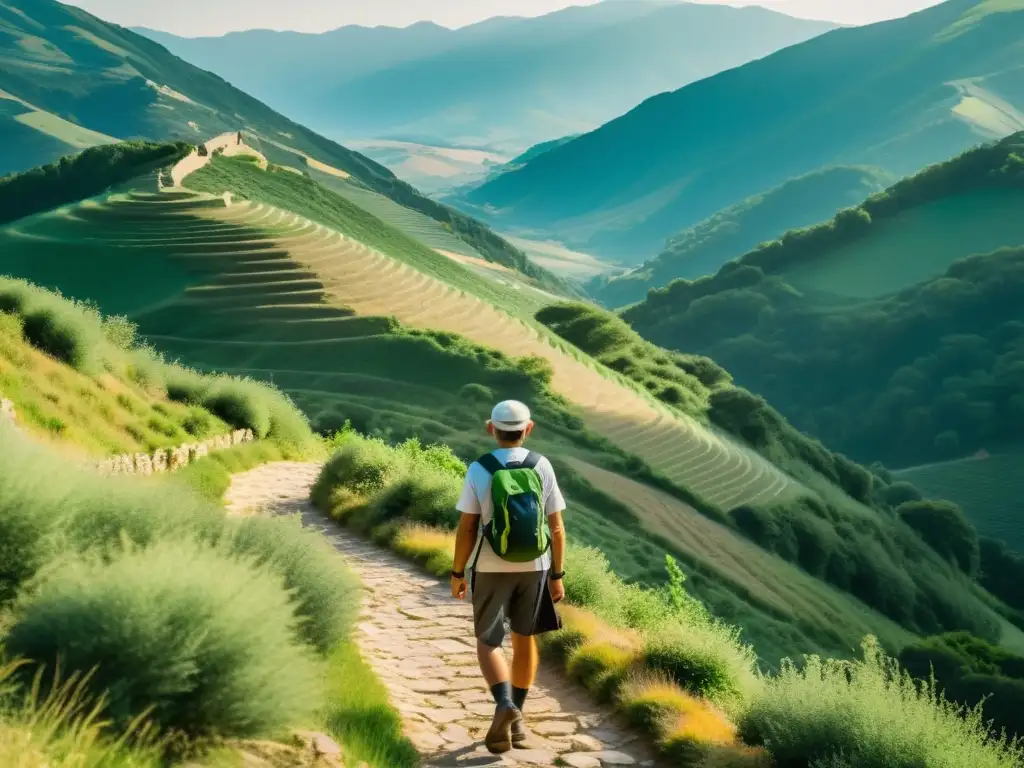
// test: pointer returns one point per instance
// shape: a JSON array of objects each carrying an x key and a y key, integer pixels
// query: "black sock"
[
  {"x": 502, "y": 693},
  {"x": 519, "y": 696}
]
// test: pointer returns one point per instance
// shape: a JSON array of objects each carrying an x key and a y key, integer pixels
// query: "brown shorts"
[{"x": 521, "y": 599}]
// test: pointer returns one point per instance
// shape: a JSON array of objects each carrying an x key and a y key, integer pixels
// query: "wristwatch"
[
  {"x": 557, "y": 576},
  {"x": 458, "y": 574}
]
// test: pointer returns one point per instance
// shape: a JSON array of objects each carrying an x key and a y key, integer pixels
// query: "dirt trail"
[{"x": 419, "y": 642}]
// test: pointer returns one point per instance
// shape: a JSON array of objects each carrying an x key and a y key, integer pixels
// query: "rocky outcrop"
[{"x": 171, "y": 459}]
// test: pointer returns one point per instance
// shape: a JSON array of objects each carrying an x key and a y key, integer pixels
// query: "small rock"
[
  {"x": 584, "y": 743},
  {"x": 581, "y": 760},
  {"x": 555, "y": 728},
  {"x": 612, "y": 757}
]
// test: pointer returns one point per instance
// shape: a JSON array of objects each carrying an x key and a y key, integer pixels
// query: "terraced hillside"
[{"x": 284, "y": 290}]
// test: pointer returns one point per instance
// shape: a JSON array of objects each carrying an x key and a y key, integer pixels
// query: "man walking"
[{"x": 512, "y": 516}]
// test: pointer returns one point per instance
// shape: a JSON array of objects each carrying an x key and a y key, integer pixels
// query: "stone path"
[{"x": 419, "y": 641}]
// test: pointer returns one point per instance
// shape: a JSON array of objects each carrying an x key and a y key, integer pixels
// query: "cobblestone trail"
[{"x": 420, "y": 643}]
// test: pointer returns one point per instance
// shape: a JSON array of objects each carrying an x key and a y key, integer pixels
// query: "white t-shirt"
[{"x": 476, "y": 500}]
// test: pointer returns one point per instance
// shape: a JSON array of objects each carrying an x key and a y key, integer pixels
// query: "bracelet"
[
  {"x": 458, "y": 574},
  {"x": 558, "y": 576}
]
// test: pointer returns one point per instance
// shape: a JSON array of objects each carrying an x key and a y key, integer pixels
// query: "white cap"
[{"x": 510, "y": 416}]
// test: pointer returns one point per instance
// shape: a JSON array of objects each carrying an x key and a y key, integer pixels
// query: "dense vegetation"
[
  {"x": 76, "y": 177},
  {"x": 996, "y": 165},
  {"x": 102, "y": 578},
  {"x": 77, "y": 335},
  {"x": 653, "y": 652},
  {"x": 858, "y": 542},
  {"x": 899, "y": 95},
  {"x": 928, "y": 374},
  {"x": 703, "y": 248},
  {"x": 970, "y": 671}
]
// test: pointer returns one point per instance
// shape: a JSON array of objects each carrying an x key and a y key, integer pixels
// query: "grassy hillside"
[
  {"x": 898, "y": 95},
  {"x": 505, "y": 84},
  {"x": 705, "y": 247},
  {"x": 67, "y": 75},
  {"x": 919, "y": 375},
  {"x": 253, "y": 289},
  {"x": 990, "y": 489}
]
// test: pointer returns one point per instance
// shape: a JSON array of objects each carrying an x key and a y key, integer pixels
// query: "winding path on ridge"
[{"x": 419, "y": 642}]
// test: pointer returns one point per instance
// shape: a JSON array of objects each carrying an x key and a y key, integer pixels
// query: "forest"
[
  {"x": 76, "y": 177},
  {"x": 934, "y": 372}
]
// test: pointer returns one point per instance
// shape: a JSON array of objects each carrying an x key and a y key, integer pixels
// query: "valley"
[{"x": 759, "y": 280}]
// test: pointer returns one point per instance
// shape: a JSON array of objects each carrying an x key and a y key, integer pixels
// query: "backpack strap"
[
  {"x": 490, "y": 463},
  {"x": 531, "y": 460}
]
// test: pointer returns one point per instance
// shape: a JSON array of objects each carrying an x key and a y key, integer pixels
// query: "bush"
[
  {"x": 901, "y": 492},
  {"x": 68, "y": 331},
  {"x": 201, "y": 644},
  {"x": 324, "y": 591},
  {"x": 364, "y": 466},
  {"x": 30, "y": 503},
  {"x": 866, "y": 713},
  {"x": 945, "y": 528}
]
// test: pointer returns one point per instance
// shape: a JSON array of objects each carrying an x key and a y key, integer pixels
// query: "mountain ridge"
[{"x": 867, "y": 95}]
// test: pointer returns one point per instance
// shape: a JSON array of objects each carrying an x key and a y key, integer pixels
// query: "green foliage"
[
  {"x": 69, "y": 331},
  {"x": 973, "y": 673},
  {"x": 1002, "y": 571},
  {"x": 706, "y": 246},
  {"x": 200, "y": 644},
  {"x": 943, "y": 526},
  {"x": 866, "y": 713},
  {"x": 324, "y": 592},
  {"x": 243, "y": 403},
  {"x": 76, "y": 177},
  {"x": 944, "y": 382}
]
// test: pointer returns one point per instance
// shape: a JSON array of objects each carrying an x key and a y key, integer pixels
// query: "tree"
[{"x": 944, "y": 527}]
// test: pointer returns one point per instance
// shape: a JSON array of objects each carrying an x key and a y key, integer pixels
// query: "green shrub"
[
  {"x": 232, "y": 403},
  {"x": 202, "y": 644},
  {"x": 901, "y": 492},
  {"x": 66, "y": 330},
  {"x": 705, "y": 658},
  {"x": 324, "y": 591},
  {"x": 30, "y": 503},
  {"x": 945, "y": 528},
  {"x": 866, "y": 713},
  {"x": 364, "y": 466}
]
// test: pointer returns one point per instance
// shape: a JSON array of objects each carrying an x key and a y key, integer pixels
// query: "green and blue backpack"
[{"x": 518, "y": 531}]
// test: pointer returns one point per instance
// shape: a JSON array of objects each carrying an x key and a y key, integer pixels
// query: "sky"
[{"x": 195, "y": 18}]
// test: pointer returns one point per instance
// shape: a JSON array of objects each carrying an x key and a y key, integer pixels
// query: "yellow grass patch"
[{"x": 432, "y": 546}]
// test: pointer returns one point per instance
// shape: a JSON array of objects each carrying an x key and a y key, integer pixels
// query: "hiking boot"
[
  {"x": 520, "y": 734},
  {"x": 499, "y": 735}
]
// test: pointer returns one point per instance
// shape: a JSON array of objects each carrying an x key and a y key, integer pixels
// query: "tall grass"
[
  {"x": 57, "y": 726},
  {"x": 199, "y": 644},
  {"x": 868, "y": 713},
  {"x": 211, "y": 628},
  {"x": 77, "y": 334}
]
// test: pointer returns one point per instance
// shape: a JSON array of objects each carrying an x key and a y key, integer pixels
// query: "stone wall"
[
  {"x": 158, "y": 462},
  {"x": 171, "y": 459}
]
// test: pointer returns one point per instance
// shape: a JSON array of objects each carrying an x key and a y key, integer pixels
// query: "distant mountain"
[
  {"x": 505, "y": 83},
  {"x": 899, "y": 94},
  {"x": 703, "y": 248},
  {"x": 69, "y": 81}
]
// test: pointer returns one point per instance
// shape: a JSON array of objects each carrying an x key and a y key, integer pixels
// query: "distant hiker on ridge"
[{"x": 515, "y": 576}]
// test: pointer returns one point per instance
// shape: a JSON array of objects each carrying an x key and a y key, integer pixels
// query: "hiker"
[{"x": 517, "y": 569}]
